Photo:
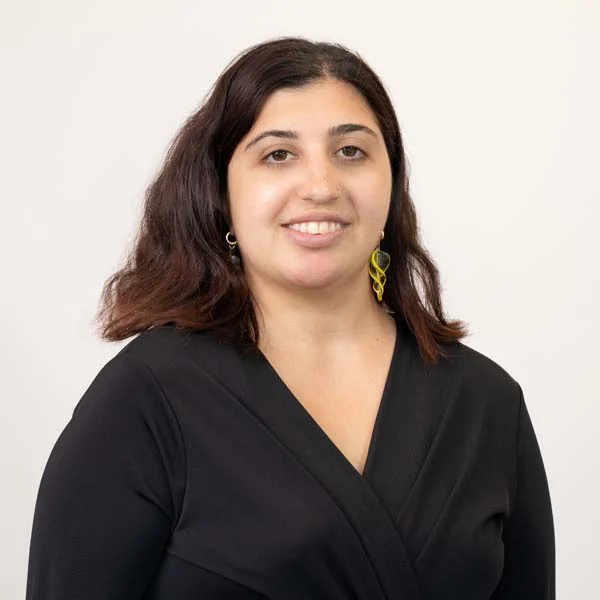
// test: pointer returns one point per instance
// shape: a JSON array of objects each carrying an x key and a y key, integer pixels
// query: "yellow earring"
[{"x": 378, "y": 265}]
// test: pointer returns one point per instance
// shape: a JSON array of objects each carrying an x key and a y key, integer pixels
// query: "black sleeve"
[
  {"x": 529, "y": 554},
  {"x": 110, "y": 493}
]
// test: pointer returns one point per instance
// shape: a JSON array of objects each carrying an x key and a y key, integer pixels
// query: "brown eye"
[
  {"x": 351, "y": 152},
  {"x": 278, "y": 155}
]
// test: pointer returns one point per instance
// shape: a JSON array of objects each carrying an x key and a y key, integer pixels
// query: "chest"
[
  {"x": 342, "y": 399},
  {"x": 269, "y": 504}
]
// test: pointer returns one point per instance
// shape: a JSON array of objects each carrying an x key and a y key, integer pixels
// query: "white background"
[{"x": 498, "y": 103}]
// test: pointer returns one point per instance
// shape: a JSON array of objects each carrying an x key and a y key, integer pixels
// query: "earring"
[
  {"x": 378, "y": 265},
  {"x": 234, "y": 258}
]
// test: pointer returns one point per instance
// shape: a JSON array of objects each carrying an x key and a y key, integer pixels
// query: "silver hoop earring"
[{"x": 233, "y": 257}]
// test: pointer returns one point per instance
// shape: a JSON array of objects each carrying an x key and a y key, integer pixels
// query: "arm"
[
  {"x": 108, "y": 498},
  {"x": 529, "y": 556}
]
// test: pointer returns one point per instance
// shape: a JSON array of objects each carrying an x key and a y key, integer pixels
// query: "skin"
[{"x": 317, "y": 297}]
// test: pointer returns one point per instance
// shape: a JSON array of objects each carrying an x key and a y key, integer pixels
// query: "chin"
[{"x": 312, "y": 280}]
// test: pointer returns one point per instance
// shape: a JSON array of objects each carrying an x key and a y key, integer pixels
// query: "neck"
[{"x": 318, "y": 321}]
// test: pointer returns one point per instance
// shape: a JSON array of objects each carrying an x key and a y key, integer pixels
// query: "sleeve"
[
  {"x": 529, "y": 553},
  {"x": 110, "y": 493}
]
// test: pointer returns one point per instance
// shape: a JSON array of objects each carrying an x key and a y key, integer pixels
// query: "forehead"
[{"x": 321, "y": 103}]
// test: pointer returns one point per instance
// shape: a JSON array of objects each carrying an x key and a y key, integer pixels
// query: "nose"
[{"x": 319, "y": 182}]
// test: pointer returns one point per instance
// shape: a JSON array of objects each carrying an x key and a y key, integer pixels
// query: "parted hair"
[{"x": 178, "y": 270}]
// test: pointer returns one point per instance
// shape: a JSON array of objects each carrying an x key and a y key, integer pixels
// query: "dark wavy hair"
[{"x": 179, "y": 272}]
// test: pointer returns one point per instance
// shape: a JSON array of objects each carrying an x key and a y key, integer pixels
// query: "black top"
[{"x": 189, "y": 470}]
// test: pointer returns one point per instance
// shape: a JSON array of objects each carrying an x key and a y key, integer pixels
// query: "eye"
[
  {"x": 354, "y": 150},
  {"x": 276, "y": 154}
]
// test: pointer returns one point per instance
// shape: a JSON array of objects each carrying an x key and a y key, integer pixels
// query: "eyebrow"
[{"x": 334, "y": 131}]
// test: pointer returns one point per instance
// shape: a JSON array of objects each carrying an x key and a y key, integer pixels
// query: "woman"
[{"x": 296, "y": 418}]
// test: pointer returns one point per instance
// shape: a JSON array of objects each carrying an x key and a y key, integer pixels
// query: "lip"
[
  {"x": 315, "y": 240},
  {"x": 317, "y": 217}
]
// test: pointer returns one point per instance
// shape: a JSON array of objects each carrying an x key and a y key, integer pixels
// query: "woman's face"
[{"x": 314, "y": 160}]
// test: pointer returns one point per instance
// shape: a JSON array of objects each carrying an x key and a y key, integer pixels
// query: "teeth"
[{"x": 315, "y": 227}]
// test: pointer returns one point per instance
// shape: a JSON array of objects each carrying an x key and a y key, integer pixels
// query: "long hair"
[{"x": 179, "y": 271}]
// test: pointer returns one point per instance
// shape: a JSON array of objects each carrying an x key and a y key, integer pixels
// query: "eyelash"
[{"x": 281, "y": 162}]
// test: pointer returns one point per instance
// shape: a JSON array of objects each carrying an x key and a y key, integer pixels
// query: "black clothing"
[{"x": 189, "y": 470}]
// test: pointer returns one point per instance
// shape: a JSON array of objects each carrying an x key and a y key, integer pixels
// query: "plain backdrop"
[{"x": 498, "y": 103}]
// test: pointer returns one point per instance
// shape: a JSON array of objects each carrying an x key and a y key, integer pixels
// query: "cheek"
[
  {"x": 256, "y": 205},
  {"x": 373, "y": 198}
]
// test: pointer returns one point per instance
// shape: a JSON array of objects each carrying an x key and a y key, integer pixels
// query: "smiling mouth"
[{"x": 316, "y": 227}]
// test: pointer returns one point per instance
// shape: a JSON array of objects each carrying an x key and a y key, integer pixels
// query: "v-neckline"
[
  {"x": 370, "y": 500},
  {"x": 312, "y": 424}
]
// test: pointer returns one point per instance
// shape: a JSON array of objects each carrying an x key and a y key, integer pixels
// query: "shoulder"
[
  {"x": 477, "y": 368},
  {"x": 168, "y": 349},
  {"x": 177, "y": 366},
  {"x": 159, "y": 344},
  {"x": 132, "y": 382},
  {"x": 167, "y": 342},
  {"x": 471, "y": 378}
]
